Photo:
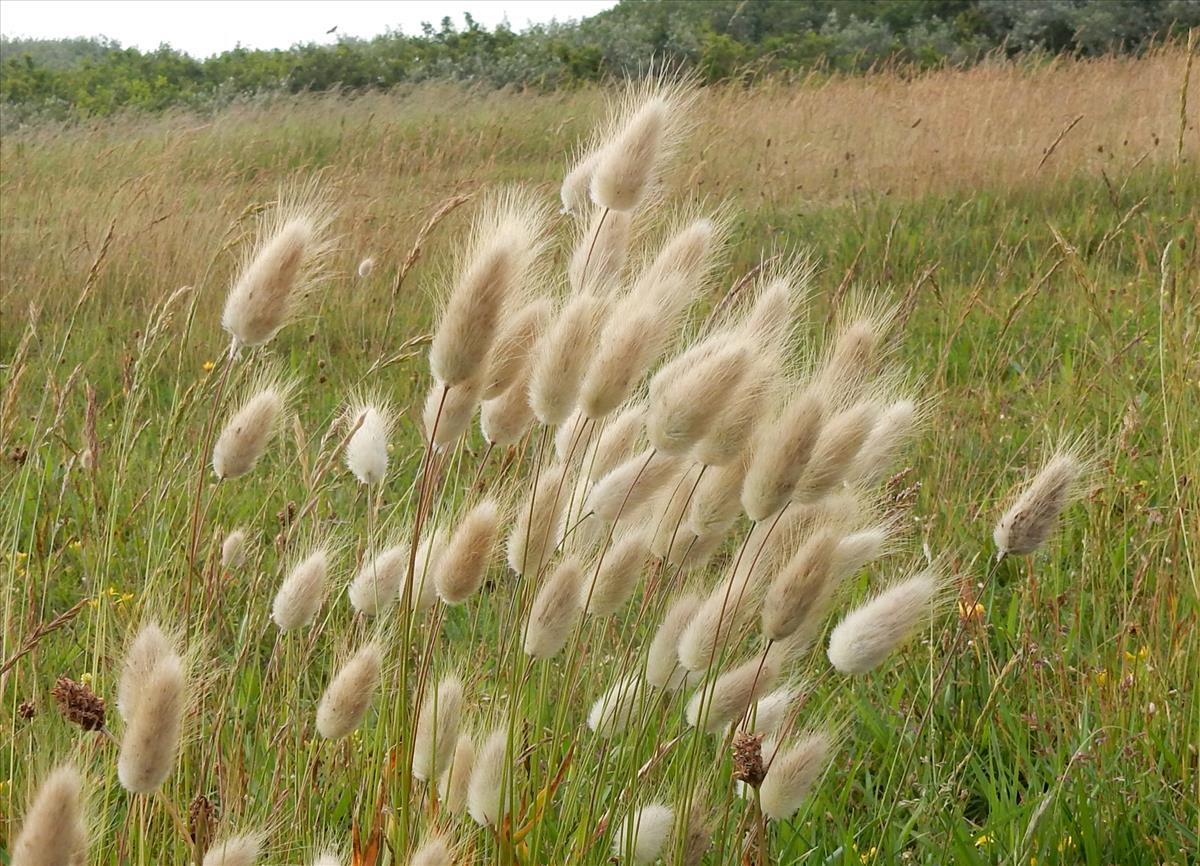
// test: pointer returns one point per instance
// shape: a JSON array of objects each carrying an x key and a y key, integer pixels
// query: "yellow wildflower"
[
  {"x": 207, "y": 366},
  {"x": 1141, "y": 654},
  {"x": 971, "y": 611}
]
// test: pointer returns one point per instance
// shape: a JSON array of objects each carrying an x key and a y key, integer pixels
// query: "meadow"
[{"x": 1035, "y": 229}]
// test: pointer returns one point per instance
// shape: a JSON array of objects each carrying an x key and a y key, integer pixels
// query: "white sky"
[{"x": 204, "y": 27}]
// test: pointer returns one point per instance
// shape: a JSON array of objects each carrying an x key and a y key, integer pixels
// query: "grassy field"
[{"x": 1037, "y": 229}]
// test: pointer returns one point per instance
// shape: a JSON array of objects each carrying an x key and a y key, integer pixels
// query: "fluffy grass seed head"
[
  {"x": 725, "y": 699},
  {"x": 54, "y": 831},
  {"x": 858, "y": 548},
  {"x": 448, "y": 411},
  {"x": 800, "y": 593},
  {"x": 452, "y": 787},
  {"x": 682, "y": 269},
  {"x": 615, "y": 709},
  {"x": 286, "y": 263},
  {"x": 240, "y": 850},
  {"x": 366, "y": 267},
  {"x": 766, "y": 327},
  {"x": 631, "y": 485},
  {"x": 506, "y": 240},
  {"x": 234, "y": 549},
  {"x": 859, "y": 345},
  {"x": 367, "y": 450},
  {"x": 349, "y": 694},
  {"x": 617, "y": 443},
  {"x": 487, "y": 798},
  {"x": 722, "y": 616},
  {"x": 148, "y": 647},
  {"x": 509, "y": 357},
  {"x": 689, "y": 393},
  {"x": 836, "y": 449},
  {"x": 248, "y": 432},
  {"x": 561, "y": 359},
  {"x": 663, "y": 670},
  {"x": 437, "y": 729},
  {"x": 771, "y": 712},
  {"x": 598, "y": 262},
  {"x": 538, "y": 524},
  {"x": 1033, "y": 516},
  {"x": 892, "y": 429},
  {"x": 615, "y": 578},
  {"x": 643, "y": 836},
  {"x": 575, "y": 190},
  {"x": 570, "y": 436},
  {"x": 423, "y": 594},
  {"x": 780, "y": 454},
  {"x": 376, "y": 586},
  {"x": 731, "y": 429},
  {"x": 792, "y": 773},
  {"x": 779, "y": 294},
  {"x": 653, "y": 119},
  {"x": 464, "y": 562},
  {"x": 871, "y": 632},
  {"x": 303, "y": 591},
  {"x": 716, "y": 504},
  {"x": 152, "y": 734},
  {"x": 434, "y": 851},
  {"x": 773, "y": 540},
  {"x": 503, "y": 420},
  {"x": 629, "y": 344},
  {"x": 668, "y": 509},
  {"x": 555, "y": 610},
  {"x": 698, "y": 832}
]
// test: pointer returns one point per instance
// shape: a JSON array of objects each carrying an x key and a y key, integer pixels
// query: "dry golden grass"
[
  {"x": 173, "y": 183},
  {"x": 993, "y": 125}
]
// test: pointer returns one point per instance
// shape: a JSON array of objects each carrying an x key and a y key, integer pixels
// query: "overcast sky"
[{"x": 204, "y": 27}]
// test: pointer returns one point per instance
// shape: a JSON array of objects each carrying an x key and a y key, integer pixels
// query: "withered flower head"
[{"x": 79, "y": 704}]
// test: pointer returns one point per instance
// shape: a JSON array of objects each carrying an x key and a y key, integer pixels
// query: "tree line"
[{"x": 719, "y": 40}]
